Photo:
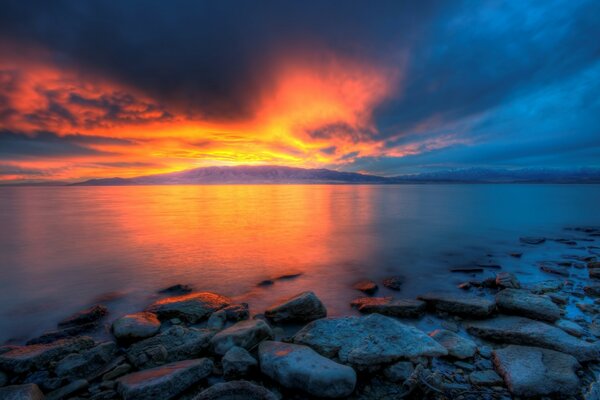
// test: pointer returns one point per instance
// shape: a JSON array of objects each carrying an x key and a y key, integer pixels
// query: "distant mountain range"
[{"x": 289, "y": 175}]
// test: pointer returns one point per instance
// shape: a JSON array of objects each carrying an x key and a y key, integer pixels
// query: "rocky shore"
[{"x": 495, "y": 338}]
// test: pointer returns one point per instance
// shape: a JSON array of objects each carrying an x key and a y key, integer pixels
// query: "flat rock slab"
[
  {"x": 300, "y": 367},
  {"x": 365, "y": 342},
  {"x": 522, "y": 302},
  {"x": 87, "y": 363},
  {"x": 303, "y": 307},
  {"x": 36, "y": 356},
  {"x": 164, "y": 382},
  {"x": 533, "y": 371},
  {"x": 457, "y": 346},
  {"x": 456, "y": 303},
  {"x": 403, "y": 308},
  {"x": 245, "y": 334},
  {"x": 236, "y": 390},
  {"x": 136, "y": 326},
  {"x": 366, "y": 286},
  {"x": 193, "y": 307},
  {"x": 30, "y": 391},
  {"x": 175, "y": 344},
  {"x": 525, "y": 331}
]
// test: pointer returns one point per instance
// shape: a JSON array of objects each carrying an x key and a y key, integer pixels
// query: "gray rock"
[
  {"x": 507, "y": 280},
  {"x": 485, "y": 378},
  {"x": 520, "y": 330},
  {"x": 86, "y": 363},
  {"x": 402, "y": 308},
  {"x": 522, "y": 302},
  {"x": 368, "y": 341},
  {"x": 193, "y": 307},
  {"x": 300, "y": 367},
  {"x": 175, "y": 344},
  {"x": 237, "y": 312},
  {"x": 23, "y": 358},
  {"x": 399, "y": 372},
  {"x": 457, "y": 346},
  {"x": 66, "y": 391},
  {"x": 136, "y": 326},
  {"x": 460, "y": 304},
  {"x": 217, "y": 320},
  {"x": 237, "y": 363},
  {"x": 366, "y": 286},
  {"x": 236, "y": 390},
  {"x": 84, "y": 317},
  {"x": 570, "y": 327},
  {"x": 246, "y": 334},
  {"x": 21, "y": 392},
  {"x": 303, "y": 307},
  {"x": 164, "y": 382},
  {"x": 532, "y": 371}
]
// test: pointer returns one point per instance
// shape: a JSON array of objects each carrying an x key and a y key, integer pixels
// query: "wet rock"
[
  {"x": 116, "y": 372},
  {"x": 288, "y": 276},
  {"x": 300, "y": 367},
  {"x": 366, "y": 286},
  {"x": 193, "y": 307},
  {"x": 532, "y": 371},
  {"x": 592, "y": 290},
  {"x": 394, "y": 282},
  {"x": 594, "y": 273},
  {"x": 36, "y": 356},
  {"x": 467, "y": 270},
  {"x": 236, "y": 390},
  {"x": 507, "y": 280},
  {"x": 520, "y": 330},
  {"x": 561, "y": 271},
  {"x": 302, "y": 308},
  {"x": 548, "y": 286},
  {"x": 237, "y": 363},
  {"x": 570, "y": 327},
  {"x": 136, "y": 326},
  {"x": 399, "y": 372},
  {"x": 217, "y": 320},
  {"x": 459, "y": 304},
  {"x": 45, "y": 382},
  {"x": 53, "y": 336},
  {"x": 516, "y": 255},
  {"x": 532, "y": 240},
  {"x": 522, "y": 302},
  {"x": 3, "y": 379},
  {"x": 21, "y": 392},
  {"x": 266, "y": 282},
  {"x": 105, "y": 395},
  {"x": 402, "y": 308},
  {"x": 177, "y": 289},
  {"x": 237, "y": 312},
  {"x": 593, "y": 264},
  {"x": 164, "y": 382},
  {"x": 246, "y": 334},
  {"x": 485, "y": 378},
  {"x": 66, "y": 391},
  {"x": 457, "y": 346},
  {"x": 175, "y": 344},
  {"x": 559, "y": 298},
  {"x": 368, "y": 341},
  {"x": 84, "y": 317},
  {"x": 86, "y": 363},
  {"x": 465, "y": 365}
]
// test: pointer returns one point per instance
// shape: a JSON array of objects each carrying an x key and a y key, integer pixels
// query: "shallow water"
[{"x": 64, "y": 248}]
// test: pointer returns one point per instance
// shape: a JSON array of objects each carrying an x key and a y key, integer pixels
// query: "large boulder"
[
  {"x": 532, "y": 371},
  {"x": 366, "y": 342},
  {"x": 236, "y": 390},
  {"x": 30, "y": 391},
  {"x": 164, "y": 382},
  {"x": 460, "y": 304},
  {"x": 525, "y": 331},
  {"x": 86, "y": 363},
  {"x": 303, "y": 307},
  {"x": 522, "y": 302},
  {"x": 193, "y": 307},
  {"x": 402, "y": 308},
  {"x": 237, "y": 363},
  {"x": 457, "y": 346},
  {"x": 136, "y": 326},
  {"x": 36, "y": 356},
  {"x": 246, "y": 334},
  {"x": 300, "y": 367},
  {"x": 175, "y": 344}
]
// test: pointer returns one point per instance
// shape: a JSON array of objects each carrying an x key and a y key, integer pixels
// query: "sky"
[{"x": 92, "y": 89}]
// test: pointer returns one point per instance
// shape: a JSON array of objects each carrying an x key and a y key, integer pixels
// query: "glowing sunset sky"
[{"x": 101, "y": 88}]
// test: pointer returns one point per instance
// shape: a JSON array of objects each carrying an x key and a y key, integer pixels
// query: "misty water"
[{"x": 65, "y": 248}]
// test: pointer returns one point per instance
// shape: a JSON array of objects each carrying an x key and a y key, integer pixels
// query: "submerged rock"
[
  {"x": 457, "y": 303},
  {"x": 394, "y": 282},
  {"x": 408, "y": 308},
  {"x": 532, "y": 240},
  {"x": 303, "y": 307},
  {"x": 83, "y": 317},
  {"x": 507, "y": 280},
  {"x": 457, "y": 346},
  {"x": 136, "y": 326},
  {"x": 165, "y": 382},
  {"x": 29, "y": 391},
  {"x": 177, "y": 289},
  {"x": 246, "y": 334},
  {"x": 236, "y": 390},
  {"x": 522, "y": 302},
  {"x": 193, "y": 307},
  {"x": 300, "y": 367},
  {"x": 548, "y": 286},
  {"x": 369, "y": 341},
  {"x": 520, "y": 330},
  {"x": 86, "y": 363},
  {"x": 532, "y": 371},
  {"x": 366, "y": 286},
  {"x": 237, "y": 363}
]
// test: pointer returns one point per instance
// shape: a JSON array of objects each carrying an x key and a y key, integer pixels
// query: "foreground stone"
[
  {"x": 87, "y": 363},
  {"x": 245, "y": 334},
  {"x": 30, "y": 391},
  {"x": 36, "y": 356},
  {"x": 87, "y": 316},
  {"x": 532, "y": 371},
  {"x": 522, "y": 302},
  {"x": 165, "y": 382},
  {"x": 369, "y": 341},
  {"x": 237, "y": 363},
  {"x": 457, "y": 346},
  {"x": 300, "y": 367},
  {"x": 304, "y": 307},
  {"x": 136, "y": 326},
  {"x": 459, "y": 304},
  {"x": 236, "y": 390},
  {"x": 402, "y": 308},
  {"x": 520, "y": 330},
  {"x": 193, "y": 307},
  {"x": 175, "y": 344}
]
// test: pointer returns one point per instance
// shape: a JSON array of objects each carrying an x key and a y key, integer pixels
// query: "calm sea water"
[{"x": 64, "y": 248}]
